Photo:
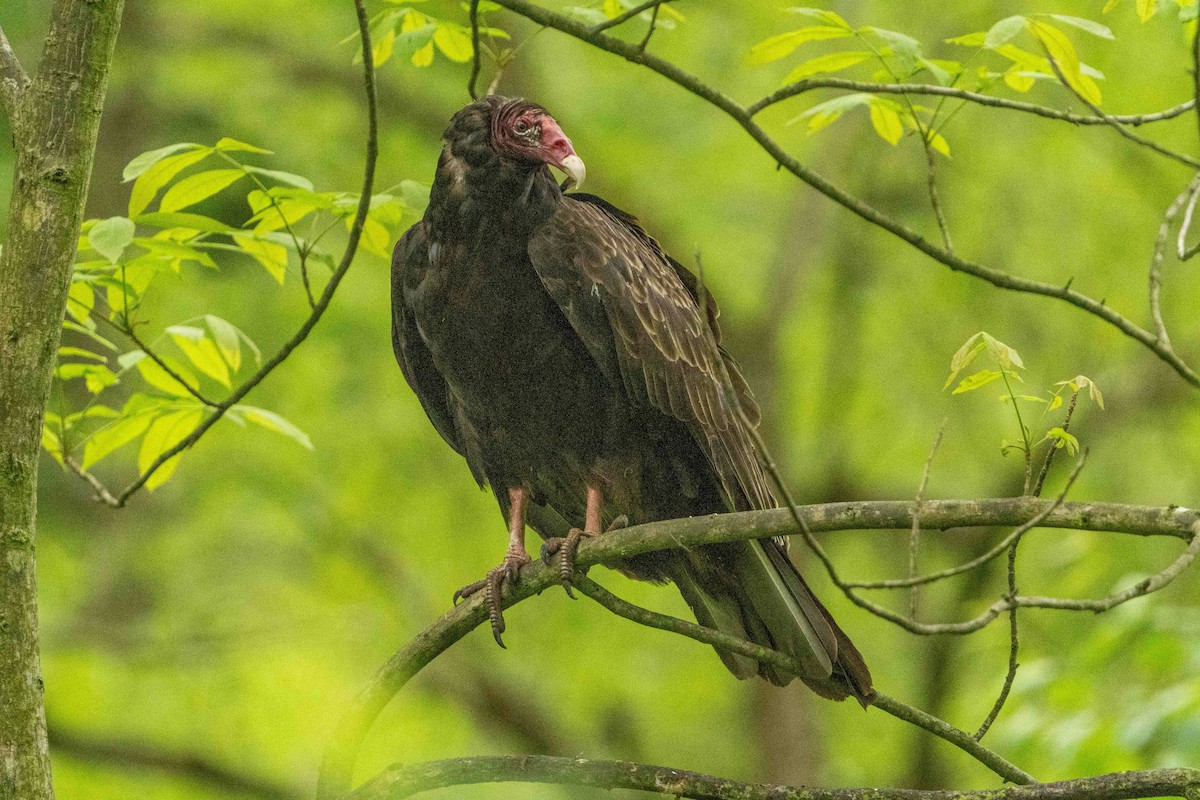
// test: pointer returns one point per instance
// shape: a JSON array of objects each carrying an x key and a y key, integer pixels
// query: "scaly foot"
[
  {"x": 506, "y": 573},
  {"x": 566, "y": 548}
]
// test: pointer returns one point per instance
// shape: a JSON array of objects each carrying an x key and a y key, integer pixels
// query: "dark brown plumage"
[{"x": 558, "y": 349}]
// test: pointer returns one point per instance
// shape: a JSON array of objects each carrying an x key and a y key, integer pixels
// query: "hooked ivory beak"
[{"x": 573, "y": 166}]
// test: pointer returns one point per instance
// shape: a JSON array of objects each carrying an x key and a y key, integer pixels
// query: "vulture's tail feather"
[{"x": 769, "y": 604}]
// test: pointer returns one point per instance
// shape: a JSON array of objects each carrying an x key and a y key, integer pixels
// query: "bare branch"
[
  {"x": 938, "y": 727},
  {"x": 914, "y": 537},
  {"x": 401, "y": 781},
  {"x": 1014, "y": 646},
  {"x": 1188, "y": 195},
  {"x": 741, "y": 115},
  {"x": 628, "y": 15},
  {"x": 364, "y": 205},
  {"x": 102, "y": 492},
  {"x": 1008, "y": 541},
  {"x": 476, "y": 59},
  {"x": 165, "y": 367},
  {"x": 1054, "y": 451},
  {"x": 800, "y": 87},
  {"x": 339, "y": 759},
  {"x": 13, "y": 80},
  {"x": 1116, "y": 124}
]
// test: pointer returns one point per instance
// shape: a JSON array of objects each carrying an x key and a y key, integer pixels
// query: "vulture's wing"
[
  {"x": 411, "y": 255},
  {"x": 637, "y": 311}
]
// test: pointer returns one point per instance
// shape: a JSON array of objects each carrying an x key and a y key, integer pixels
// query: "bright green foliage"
[
  {"x": 123, "y": 258},
  {"x": 415, "y": 36},
  {"x": 899, "y": 58},
  {"x": 1006, "y": 365}
]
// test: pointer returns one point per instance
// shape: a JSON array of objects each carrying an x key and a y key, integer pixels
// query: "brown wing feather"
[{"x": 631, "y": 306}]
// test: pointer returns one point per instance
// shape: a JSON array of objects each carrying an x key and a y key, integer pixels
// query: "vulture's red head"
[
  {"x": 526, "y": 132},
  {"x": 521, "y": 133}
]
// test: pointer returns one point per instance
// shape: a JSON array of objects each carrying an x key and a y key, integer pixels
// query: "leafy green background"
[{"x": 232, "y": 613}]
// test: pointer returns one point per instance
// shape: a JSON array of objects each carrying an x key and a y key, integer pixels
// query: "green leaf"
[
  {"x": 110, "y": 237},
  {"x": 80, "y": 302},
  {"x": 1005, "y": 356},
  {"x": 1081, "y": 382},
  {"x": 148, "y": 159},
  {"x": 969, "y": 39},
  {"x": 228, "y": 340},
  {"x": 415, "y": 194},
  {"x": 290, "y": 178},
  {"x": 159, "y": 175},
  {"x": 180, "y": 219},
  {"x": 886, "y": 121},
  {"x": 1055, "y": 402},
  {"x": 905, "y": 49},
  {"x": 51, "y": 443},
  {"x": 97, "y": 377},
  {"x": 824, "y": 114},
  {"x": 1004, "y": 31},
  {"x": 91, "y": 334},
  {"x": 783, "y": 44},
  {"x": 972, "y": 382},
  {"x": 115, "y": 436},
  {"x": 1091, "y": 26},
  {"x": 827, "y": 63},
  {"x": 1063, "y": 52},
  {"x": 1062, "y": 439},
  {"x": 272, "y": 421},
  {"x": 271, "y": 255},
  {"x": 1146, "y": 9},
  {"x": 453, "y": 41},
  {"x": 79, "y": 352},
  {"x": 158, "y": 377},
  {"x": 943, "y": 71},
  {"x": 201, "y": 186},
  {"x": 821, "y": 14},
  {"x": 202, "y": 352},
  {"x": 164, "y": 433},
  {"x": 228, "y": 144}
]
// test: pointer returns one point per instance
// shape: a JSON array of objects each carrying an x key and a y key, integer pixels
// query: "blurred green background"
[{"x": 227, "y": 618}]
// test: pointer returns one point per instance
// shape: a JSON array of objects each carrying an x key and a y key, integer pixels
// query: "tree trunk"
[{"x": 54, "y": 119}]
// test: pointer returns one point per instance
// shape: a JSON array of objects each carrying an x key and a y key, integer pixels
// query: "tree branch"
[
  {"x": 628, "y": 15},
  {"x": 404, "y": 781},
  {"x": 364, "y": 205},
  {"x": 340, "y": 756},
  {"x": 13, "y": 80},
  {"x": 928, "y": 89},
  {"x": 742, "y": 116}
]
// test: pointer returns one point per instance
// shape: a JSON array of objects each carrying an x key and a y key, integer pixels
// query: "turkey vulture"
[{"x": 566, "y": 357}]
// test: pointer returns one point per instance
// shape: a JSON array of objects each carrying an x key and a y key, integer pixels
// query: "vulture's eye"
[{"x": 522, "y": 128}]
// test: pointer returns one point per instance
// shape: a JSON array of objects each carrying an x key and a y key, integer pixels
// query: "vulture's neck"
[{"x": 478, "y": 191}]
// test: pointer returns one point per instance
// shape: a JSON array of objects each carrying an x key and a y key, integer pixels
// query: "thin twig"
[
  {"x": 1014, "y": 644},
  {"x": 1196, "y": 72},
  {"x": 914, "y": 537},
  {"x": 364, "y": 205},
  {"x": 1041, "y": 479},
  {"x": 650, "y": 30},
  {"x": 934, "y": 200},
  {"x": 13, "y": 80},
  {"x": 1160, "y": 247},
  {"x": 790, "y": 666},
  {"x": 192, "y": 390},
  {"x": 476, "y": 59},
  {"x": 929, "y": 89},
  {"x": 1181, "y": 248},
  {"x": 1115, "y": 123},
  {"x": 975, "y": 563},
  {"x": 102, "y": 492},
  {"x": 738, "y": 113},
  {"x": 628, "y": 15}
]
